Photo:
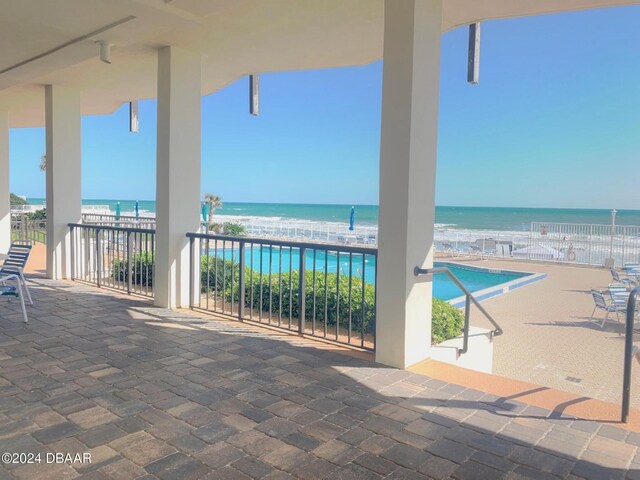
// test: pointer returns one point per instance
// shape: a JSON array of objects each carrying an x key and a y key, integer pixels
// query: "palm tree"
[{"x": 214, "y": 202}]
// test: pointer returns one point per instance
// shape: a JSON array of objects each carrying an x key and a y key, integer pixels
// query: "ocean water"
[{"x": 468, "y": 218}]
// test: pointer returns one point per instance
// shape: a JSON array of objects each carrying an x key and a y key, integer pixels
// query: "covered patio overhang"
[{"x": 176, "y": 51}]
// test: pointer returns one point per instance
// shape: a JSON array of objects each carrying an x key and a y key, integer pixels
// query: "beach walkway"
[{"x": 154, "y": 393}]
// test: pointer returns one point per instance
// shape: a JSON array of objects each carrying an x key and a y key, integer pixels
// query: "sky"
[{"x": 554, "y": 122}]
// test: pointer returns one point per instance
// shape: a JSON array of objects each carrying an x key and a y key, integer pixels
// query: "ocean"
[{"x": 513, "y": 219}]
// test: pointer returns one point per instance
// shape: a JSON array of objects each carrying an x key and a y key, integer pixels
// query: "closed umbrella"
[
  {"x": 137, "y": 210},
  {"x": 118, "y": 211},
  {"x": 352, "y": 219},
  {"x": 205, "y": 211}
]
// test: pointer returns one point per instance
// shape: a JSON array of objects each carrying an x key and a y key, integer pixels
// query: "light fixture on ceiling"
[
  {"x": 133, "y": 116},
  {"x": 473, "y": 62},
  {"x": 105, "y": 52},
  {"x": 254, "y": 94}
]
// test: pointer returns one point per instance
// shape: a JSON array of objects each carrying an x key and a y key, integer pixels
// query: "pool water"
[{"x": 474, "y": 278}]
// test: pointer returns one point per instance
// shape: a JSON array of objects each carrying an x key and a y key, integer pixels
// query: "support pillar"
[
  {"x": 5, "y": 208},
  {"x": 411, "y": 75},
  {"x": 178, "y": 173},
  {"x": 64, "y": 197}
]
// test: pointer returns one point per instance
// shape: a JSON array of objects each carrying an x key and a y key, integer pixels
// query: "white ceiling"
[{"x": 54, "y": 40}]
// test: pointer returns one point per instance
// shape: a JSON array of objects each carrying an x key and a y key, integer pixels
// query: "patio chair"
[
  {"x": 611, "y": 306},
  {"x": 14, "y": 264},
  {"x": 13, "y": 291},
  {"x": 629, "y": 281}
]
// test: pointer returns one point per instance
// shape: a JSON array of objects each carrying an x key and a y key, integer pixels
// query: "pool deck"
[{"x": 549, "y": 339}]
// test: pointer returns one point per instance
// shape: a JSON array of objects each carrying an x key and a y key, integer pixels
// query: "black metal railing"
[
  {"x": 629, "y": 352},
  {"x": 115, "y": 257},
  {"x": 25, "y": 229},
  {"x": 321, "y": 290},
  {"x": 469, "y": 298}
]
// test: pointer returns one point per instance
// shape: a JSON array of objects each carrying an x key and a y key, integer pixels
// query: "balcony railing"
[
  {"x": 27, "y": 230},
  {"x": 121, "y": 258},
  {"x": 326, "y": 291}
]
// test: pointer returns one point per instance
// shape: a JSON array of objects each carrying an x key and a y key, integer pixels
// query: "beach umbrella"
[
  {"x": 205, "y": 211},
  {"x": 352, "y": 219},
  {"x": 118, "y": 211},
  {"x": 137, "y": 209}
]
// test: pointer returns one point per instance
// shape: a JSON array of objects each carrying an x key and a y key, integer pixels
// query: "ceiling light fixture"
[{"x": 105, "y": 52}]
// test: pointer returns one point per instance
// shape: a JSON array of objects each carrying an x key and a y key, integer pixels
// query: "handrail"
[
  {"x": 628, "y": 353},
  {"x": 109, "y": 227},
  {"x": 417, "y": 271},
  {"x": 284, "y": 243}
]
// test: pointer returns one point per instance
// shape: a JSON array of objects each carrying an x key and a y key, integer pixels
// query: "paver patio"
[{"x": 152, "y": 393}]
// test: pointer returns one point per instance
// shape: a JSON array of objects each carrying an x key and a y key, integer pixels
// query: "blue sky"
[{"x": 555, "y": 122}]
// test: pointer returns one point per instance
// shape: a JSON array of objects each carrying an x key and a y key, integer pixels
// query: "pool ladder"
[{"x": 469, "y": 299}]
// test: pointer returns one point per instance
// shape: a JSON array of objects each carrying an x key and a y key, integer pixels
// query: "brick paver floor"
[{"x": 152, "y": 393}]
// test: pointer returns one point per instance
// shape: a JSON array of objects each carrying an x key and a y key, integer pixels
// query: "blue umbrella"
[
  {"x": 118, "y": 211},
  {"x": 205, "y": 211},
  {"x": 352, "y": 219},
  {"x": 137, "y": 209}
]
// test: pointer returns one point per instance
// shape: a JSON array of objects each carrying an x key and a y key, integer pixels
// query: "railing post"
[
  {"x": 98, "y": 259},
  {"x": 129, "y": 265},
  {"x": 241, "y": 286},
  {"x": 73, "y": 252},
  {"x": 191, "y": 270},
  {"x": 628, "y": 354},
  {"x": 302, "y": 292},
  {"x": 467, "y": 314}
]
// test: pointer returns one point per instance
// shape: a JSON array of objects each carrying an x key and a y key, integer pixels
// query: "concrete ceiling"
[{"x": 54, "y": 41}]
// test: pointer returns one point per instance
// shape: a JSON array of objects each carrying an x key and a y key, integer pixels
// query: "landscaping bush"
[
  {"x": 447, "y": 321},
  {"x": 233, "y": 229},
  {"x": 142, "y": 269},
  {"x": 220, "y": 275},
  {"x": 260, "y": 293}
]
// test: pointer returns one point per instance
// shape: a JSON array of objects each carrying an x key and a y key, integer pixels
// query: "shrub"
[
  {"x": 16, "y": 200},
  {"x": 141, "y": 267},
  {"x": 447, "y": 321},
  {"x": 264, "y": 293},
  {"x": 38, "y": 214},
  {"x": 233, "y": 229},
  {"x": 215, "y": 227},
  {"x": 280, "y": 294}
]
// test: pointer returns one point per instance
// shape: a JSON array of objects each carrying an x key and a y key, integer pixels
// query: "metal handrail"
[
  {"x": 417, "y": 271},
  {"x": 109, "y": 227},
  {"x": 285, "y": 243},
  {"x": 628, "y": 353}
]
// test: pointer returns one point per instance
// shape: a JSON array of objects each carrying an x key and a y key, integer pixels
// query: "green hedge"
[
  {"x": 259, "y": 293},
  {"x": 142, "y": 269},
  {"x": 216, "y": 274},
  {"x": 447, "y": 321}
]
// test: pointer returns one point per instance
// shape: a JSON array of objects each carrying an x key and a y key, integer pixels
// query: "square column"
[
  {"x": 5, "y": 208},
  {"x": 178, "y": 172},
  {"x": 411, "y": 77},
  {"x": 64, "y": 197}
]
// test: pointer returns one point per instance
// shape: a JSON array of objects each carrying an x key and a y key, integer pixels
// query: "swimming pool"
[{"x": 482, "y": 282}]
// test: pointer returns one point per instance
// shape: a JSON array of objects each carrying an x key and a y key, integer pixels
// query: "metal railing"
[
  {"x": 27, "y": 230},
  {"x": 125, "y": 221},
  {"x": 588, "y": 244},
  {"x": 326, "y": 291},
  {"x": 469, "y": 298},
  {"x": 115, "y": 257},
  {"x": 629, "y": 353}
]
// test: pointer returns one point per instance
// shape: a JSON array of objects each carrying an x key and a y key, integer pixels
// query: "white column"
[
  {"x": 411, "y": 73},
  {"x": 64, "y": 198},
  {"x": 5, "y": 209},
  {"x": 178, "y": 172}
]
